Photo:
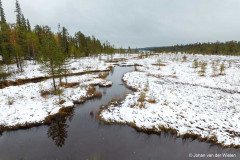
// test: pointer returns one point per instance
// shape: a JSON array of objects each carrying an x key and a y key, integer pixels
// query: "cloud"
[{"x": 138, "y": 23}]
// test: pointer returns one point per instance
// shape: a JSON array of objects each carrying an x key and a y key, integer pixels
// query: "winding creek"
[{"x": 81, "y": 136}]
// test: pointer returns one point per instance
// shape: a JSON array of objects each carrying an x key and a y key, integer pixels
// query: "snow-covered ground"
[
  {"x": 24, "y": 104},
  {"x": 171, "y": 93},
  {"x": 32, "y": 70},
  {"x": 174, "y": 95}
]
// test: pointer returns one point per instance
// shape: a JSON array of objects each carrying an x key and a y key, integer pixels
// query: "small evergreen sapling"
[
  {"x": 214, "y": 68},
  {"x": 222, "y": 68},
  {"x": 184, "y": 58},
  {"x": 159, "y": 62},
  {"x": 195, "y": 63},
  {"x": 203, "y": 68}
]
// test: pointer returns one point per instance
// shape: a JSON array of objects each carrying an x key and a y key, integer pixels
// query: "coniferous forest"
[
  {"x": 217, "y": 48},
  {"x": 19, "y": 42}
]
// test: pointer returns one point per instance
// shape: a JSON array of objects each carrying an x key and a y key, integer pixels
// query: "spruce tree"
[
  {"x": 20, "y": 28},
  {"x": 5, "y": 34},
  {"x": 50, "y": 59}
]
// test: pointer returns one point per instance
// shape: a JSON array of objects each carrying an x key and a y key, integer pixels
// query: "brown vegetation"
[
  {"x": 103, "y": 85},
  {"x": 151, "y": 101},
  {"x": 161, "y": 76},
  {"x": 69, "y": 85},
  {"x": 18, "y": 82},
  {"x": 115, "y": 60},
  {"x": 142, "y": 97},
  {"x": 44, "y": 93},
  {"x": 103, "y": 75},
  {"x": 159, "y": 64},
  {"x": 220, "y": 74},
  {"x": 91, "y": 113}
]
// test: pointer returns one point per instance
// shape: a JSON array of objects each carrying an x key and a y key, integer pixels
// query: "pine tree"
[
  {"x": 20, "y": 38},
  {"x": 33, "y": 45},
  {"x": 2, "y": 14},
  {"x": 51, "y": 60},
  {"x": 5, "y": 33},
  {"x": 28, "y": 26},
  {"x": 63, "y": 48},
  {"x": 129, "y": 50}
]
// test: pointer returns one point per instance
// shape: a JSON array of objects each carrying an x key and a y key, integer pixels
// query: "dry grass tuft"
[
  {"x": 103, "y": 75},
  {"x": 160, "y": 76},
  {"x": 145, "y": 89},
  {"x": 91, "y": 92},
  {"x": 62, "y": 113},
  {"x": 44, "y": 94},
  {"x": 69, "y": 85},
  {"x": 142, "y": 97},
  {"x": 159, "y": 64},
  {"x": 91, "y": 113},
  {"x": 151, "y": 101},
  {"x": 142, "y": 106},
  {"x": 98, "y": 94},
  {"x": 220, "y": 74},
  {"x": 62, "y": 101},
  {"x": 212, "y": 139}
]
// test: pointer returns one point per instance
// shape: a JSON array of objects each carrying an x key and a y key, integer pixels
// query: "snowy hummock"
[
  {"x": 24, "y": 104},
  {"x": 184, "y": 101}
]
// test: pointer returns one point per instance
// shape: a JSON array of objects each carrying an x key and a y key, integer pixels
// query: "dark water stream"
[{"x": 80, "y": 137}]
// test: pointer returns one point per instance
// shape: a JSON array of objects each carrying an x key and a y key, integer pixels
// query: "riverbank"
[
  {"x": 36, "y": 103},
  {"x": 173, "y": 95}
]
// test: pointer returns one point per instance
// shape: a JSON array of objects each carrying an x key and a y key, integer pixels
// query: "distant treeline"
[
  {"x": 217, "y": 48},
  {"x": 19, "y": 41}
]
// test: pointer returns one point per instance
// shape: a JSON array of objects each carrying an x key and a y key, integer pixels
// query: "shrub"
[
  {"x": 10, "y": 100},
  {"x": 229, "y": 64},
  {"x": 195, "y": 63},
  {"x": 152, "y": 98},
  {"x": 222, "y": 68},
  {"x": 142, "y": 97},
  {"x": 103, "y": 75},
  {"x": 159, "y": 62},
  {"x": 141, "y": 56},
  {"x": 135, "y": 66},
  {"x": 59, "y": 93},
  {"x": 165, "y": 103},
  {"x": 141, "y": 106},
  {"x": 203, "y": 68},
  {"x": 3, "y": 74},
  {"x": 184, "y": 58},
  {"x": 214, "y": 68},
  {"x": 147, "y": 85},
  {"x": 74, "y": 68},
  {"x": 44, "y": 94},
  {"x": 88, "y": 68},
  {"x": 62, "y": 101}
]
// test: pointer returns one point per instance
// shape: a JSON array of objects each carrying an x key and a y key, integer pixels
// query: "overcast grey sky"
[{"x": 138, "y": 23}]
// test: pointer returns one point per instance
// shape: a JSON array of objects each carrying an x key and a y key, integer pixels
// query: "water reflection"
[
  {"x": 58, "y": 129},
  {"x": 87, "y": 138},
  {"x": 112, "y": 71}
]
